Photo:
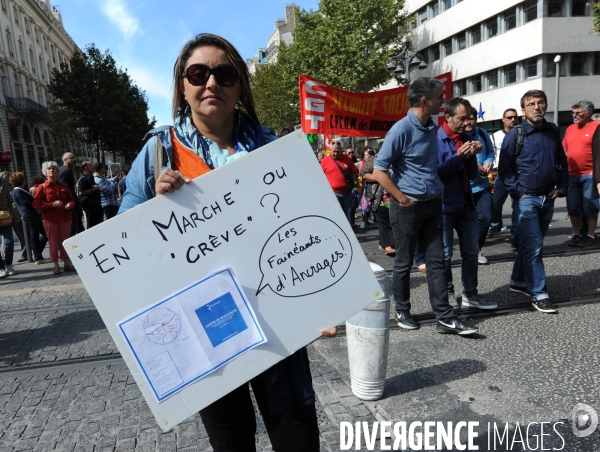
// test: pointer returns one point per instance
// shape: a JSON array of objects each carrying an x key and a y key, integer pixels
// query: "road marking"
[{"x": 30, "y": 290}]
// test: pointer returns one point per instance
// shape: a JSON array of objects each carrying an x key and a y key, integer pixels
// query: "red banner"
[
  {"x": 328, "y": 110},
  {"x": 5, "y": 157}
]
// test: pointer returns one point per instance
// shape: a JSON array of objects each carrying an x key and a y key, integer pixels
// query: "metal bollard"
[{"x": 367, "y": 335}]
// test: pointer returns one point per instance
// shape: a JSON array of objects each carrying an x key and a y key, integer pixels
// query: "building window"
[
  {"x": 460, "y": 88},
  {"x": 461, "y": 41},
  {"x": 26, "y": 26},
  {"x": 52, "y": 53},
  {"x": 9, "y": 44},
  {"x": 510, "y": 19},
  {"x": 476, "y": 83},
  {"x": 45, "y": 43},
  {"x": 42, "y": 71},
  {"x": 435, "y": 9},
  {"x": 3, "y": 2},
  {"x": 16, "y": 15},
  {"x": 32, "y": 59},
  {"x": 556, "y": 8},
  {"x": 447, "y": 44},
  {"x": 435, "y": 53},
  {"x": 36, "y": 136},
  {"x": 578, "y": 8},
  {"x": 551, "y": 66},
  {"x": 530, "y": 10},
  {"x": 530, "y": 67},
  {"x": 476, "y": 35},
  {"x": 510, "y": 74},
  {"x": 26, "y": 135},
  {"x": 596, "y": 63},
  {"x": 491, "y": 27},
  {"x": 579, "y": 64},
  {"x": 14, "y": 132},
  {"x": 447, "y": 4},
  {"x": 22, "y": 53},
  {"x": 46, "y": 139},
  {"x": 422, "y": 16},
  {"x": 492, "y": 79},
  {"x": 37, "y": 35}
]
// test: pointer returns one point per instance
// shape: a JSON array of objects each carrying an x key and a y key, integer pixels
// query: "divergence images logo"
[{"x": 584, "y": 420}]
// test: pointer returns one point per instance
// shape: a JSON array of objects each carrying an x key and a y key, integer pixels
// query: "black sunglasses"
[
  {"x": 198, "y": 74},
  {"x": 511, "y": 117}
]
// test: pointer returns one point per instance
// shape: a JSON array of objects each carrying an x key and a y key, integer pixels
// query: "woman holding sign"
[{"x": 215, "y": 123}]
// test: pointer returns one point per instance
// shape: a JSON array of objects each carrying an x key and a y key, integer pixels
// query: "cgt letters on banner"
[{"x": 325, "y": 109}]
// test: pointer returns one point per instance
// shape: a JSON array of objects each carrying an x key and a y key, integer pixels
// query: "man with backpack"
[{"x": 533, "y": 167}]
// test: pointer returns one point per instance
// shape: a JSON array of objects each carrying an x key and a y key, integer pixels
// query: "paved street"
[{"x": 63, "y": 386}]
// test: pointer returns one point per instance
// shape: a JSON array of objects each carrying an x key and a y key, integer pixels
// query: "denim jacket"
[
  {"x": 450, "y": 169},
  {"x": 140, "y": 180}
]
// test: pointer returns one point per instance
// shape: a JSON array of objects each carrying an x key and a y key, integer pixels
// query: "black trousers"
[
  {"x": 386, "y": 235},
  {"x": 231, "y": 423},
  {"x": 94, "y": 216}
]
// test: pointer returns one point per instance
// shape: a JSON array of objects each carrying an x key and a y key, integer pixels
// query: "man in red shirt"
[
  {"x": 341, "y": 174},
  {"x": 578, "y": 146}
]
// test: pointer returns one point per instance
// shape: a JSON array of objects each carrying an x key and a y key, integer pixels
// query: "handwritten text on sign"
[{"x": 285, "y": 241}]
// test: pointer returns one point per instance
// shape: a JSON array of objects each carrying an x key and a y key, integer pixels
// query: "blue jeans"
[
  {"x": 579, "y": 197},
  {"x": 483, "y": 204},
  {"x": 499, "y": 198},
  {"x": 345, "y": 201},
  {"x": 419, "y": 256},
  {"x": 467, "y": 228},
  {"x": 421, "y": 221},
  {"x": 534, "y": 214},
  {"x": 9, "y": 245}
]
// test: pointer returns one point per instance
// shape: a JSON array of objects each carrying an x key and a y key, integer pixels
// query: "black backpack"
[{"x": 521, "y": 136}]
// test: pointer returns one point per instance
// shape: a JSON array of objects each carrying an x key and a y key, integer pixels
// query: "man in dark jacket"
[
  {"x": 90, "y": 196},
  {"x": 457, "y": 165},
  {"x": 534, "y": 171},
  {"x": 66, "y": 175}
]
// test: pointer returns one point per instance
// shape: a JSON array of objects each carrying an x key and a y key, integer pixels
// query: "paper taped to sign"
[{"x": 192, "y": 333}]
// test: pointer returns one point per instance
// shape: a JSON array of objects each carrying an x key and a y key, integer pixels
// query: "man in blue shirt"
[
  {"x": 480, "y": 184},
  {"x": 534, "y": 175},
  {"x": 108, "y": 190},
  {"x": 410, "y": 151}
]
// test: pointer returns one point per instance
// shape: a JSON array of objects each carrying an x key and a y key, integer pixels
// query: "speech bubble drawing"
[{"x": 304, "y": 256}]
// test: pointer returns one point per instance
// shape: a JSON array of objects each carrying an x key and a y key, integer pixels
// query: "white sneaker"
[
  {"x": 3, "y": 274},
  {"x": 481, "y": 259},
  {"x": 10, "y": 270}
]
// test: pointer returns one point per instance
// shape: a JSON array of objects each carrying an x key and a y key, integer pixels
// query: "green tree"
[
  {"x": 102, "y": 104},
  {"x": 347, "y": 44},
  {"x": 596, "y": 14}
]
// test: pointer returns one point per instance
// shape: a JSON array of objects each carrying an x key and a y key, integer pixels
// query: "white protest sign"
[{"x": 272, "y": 218}]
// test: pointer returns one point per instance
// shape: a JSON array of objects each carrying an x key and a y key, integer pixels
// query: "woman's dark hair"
[
  {"x": 180, "y": 106},
  {"x": 37, "y": 180}
]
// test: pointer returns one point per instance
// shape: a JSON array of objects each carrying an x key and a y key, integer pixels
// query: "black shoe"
[
  {"x": 514, "y": 244},
  {"x": 585, "y": 242},
  {"x": 406, "y": 321},
  {"x": 574, "y": 241},
  {"x": 492, "y": 231},
  {"x": 454, "y": 326},
  {"x": 517, "y": 289},
  {"x": 544, "y": 305}
]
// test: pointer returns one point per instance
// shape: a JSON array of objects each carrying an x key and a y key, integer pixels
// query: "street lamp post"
[
  {"x": 401, "y": 63},
  {"x": 556, "y": 89}
]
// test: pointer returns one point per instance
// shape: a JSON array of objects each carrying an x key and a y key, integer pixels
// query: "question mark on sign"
[{"x": 274, "y": 205}]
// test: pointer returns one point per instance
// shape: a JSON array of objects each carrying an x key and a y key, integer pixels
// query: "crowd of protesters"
[
  {"x": 57, "y": 205},
  {"x": 427, "y": 183}
]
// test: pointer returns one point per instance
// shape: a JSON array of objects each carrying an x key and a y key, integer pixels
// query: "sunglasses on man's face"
[
  {"x": 510, "y": 118},
  {"x": 198, "y": 74}
]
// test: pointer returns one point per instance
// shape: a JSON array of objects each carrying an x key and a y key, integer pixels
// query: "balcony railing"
[{"x": 26, "y": 105}]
